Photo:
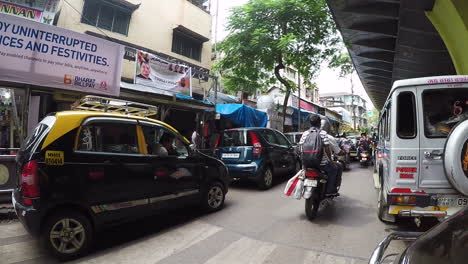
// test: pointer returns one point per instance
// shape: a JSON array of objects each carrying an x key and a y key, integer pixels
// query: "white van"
[{"x": 422, "y": 151}]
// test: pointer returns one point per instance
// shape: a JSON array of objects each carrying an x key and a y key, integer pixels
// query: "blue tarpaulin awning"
[
  {"x": 243, "y": 115},
  {"x": 304, "y": 115}
]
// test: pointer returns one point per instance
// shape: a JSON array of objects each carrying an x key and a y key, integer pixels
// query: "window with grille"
[
  {"x": 186, "y": 46},
  {"x": 106, "y": 16}
]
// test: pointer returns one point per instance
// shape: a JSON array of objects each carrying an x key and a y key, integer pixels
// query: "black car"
[
  {"x": 257, "y": 154},
  {"x": 446, "y": 243},
  {"x": 82, "y": 171}
]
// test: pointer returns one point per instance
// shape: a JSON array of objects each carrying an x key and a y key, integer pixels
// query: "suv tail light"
[
  {"x": 257, "y": 146},
  {"x": 29, "y": 182},
  {"x": 312, "y": 174}
]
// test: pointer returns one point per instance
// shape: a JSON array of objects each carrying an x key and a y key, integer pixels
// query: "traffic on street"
[
  {"x": 254, "y": 227},
  {"x": 243, "y": 131}
]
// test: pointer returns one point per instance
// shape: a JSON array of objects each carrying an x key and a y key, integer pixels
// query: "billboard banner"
[
  {"x": 44, "y": 55},
  {"x": 42, "y": 11},
  {"x": 153, "y": 71}
]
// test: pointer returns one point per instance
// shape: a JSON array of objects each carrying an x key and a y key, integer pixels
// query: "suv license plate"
[
  {"x": 230, "y": 155},
  {"x": 310, "y": 183},
  {"x": 364, "y": 158},
  {"x": 452, "y": 201}
]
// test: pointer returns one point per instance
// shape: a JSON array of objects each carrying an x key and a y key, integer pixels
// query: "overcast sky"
[{"x": 328, "y": 80}]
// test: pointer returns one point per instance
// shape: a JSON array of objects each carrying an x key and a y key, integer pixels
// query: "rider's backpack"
[{"x": 312, "y": 149}]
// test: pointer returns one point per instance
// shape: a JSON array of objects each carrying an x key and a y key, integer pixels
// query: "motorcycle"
[
  {"x": 364, "y": 158},
  {"x": 344, "y": 160},
  {"x": 315, "y": 191}
]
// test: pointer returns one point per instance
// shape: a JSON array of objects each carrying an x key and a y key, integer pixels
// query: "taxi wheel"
[
  {"x": 213, "y": 198},
  {"x": 67, "y": 235}
]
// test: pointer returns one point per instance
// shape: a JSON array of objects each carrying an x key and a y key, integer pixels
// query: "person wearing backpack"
[{"x": 316, "y": 147}]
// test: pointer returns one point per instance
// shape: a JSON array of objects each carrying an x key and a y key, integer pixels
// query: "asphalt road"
[{"x": 254, "y": 227}]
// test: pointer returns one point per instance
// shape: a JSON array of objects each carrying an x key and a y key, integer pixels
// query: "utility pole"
[{"x": 299, "y": 101}]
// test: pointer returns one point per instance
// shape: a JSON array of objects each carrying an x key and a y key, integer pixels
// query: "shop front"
[{"x": 45, "y": 69}]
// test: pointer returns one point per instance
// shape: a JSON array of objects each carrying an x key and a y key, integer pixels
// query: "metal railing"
[{"x": 111, "y": 105}]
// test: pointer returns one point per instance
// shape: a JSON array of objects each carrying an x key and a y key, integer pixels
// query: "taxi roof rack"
[{"x": 111, "y": 105}]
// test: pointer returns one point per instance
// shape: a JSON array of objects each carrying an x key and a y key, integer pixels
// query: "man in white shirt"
[{"x": 329, "y": 146}]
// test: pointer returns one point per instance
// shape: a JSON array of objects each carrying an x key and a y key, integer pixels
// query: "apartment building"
[
  {"x": 176, "y": 30},
  {"x": 352, "y": 103}
]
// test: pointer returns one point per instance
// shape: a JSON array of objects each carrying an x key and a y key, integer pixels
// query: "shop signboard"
[
  {"x": 44, "y": 55},
  {"x": 303, "y": 104},
  {"x": 153, "y": 71},
  {"x": 38, "y": 10}
]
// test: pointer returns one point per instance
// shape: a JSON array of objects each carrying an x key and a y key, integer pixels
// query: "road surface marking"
[
  {"x": 244, "y": 250},
  {"x": 156, "y": 247}
]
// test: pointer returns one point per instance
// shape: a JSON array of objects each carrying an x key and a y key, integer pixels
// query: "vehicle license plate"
[
  {"x": 310, "y": 183},
  {"x": 230, "y": 155},
  {"x": 452, "y": 201},
  {"x": 364, "y": 158},
  {"x": 352, "y": 154}
]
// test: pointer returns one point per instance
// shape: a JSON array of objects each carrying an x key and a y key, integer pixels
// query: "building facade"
[
  {"x": 306, "y": 92},
  {"x": 352, "y": 103},
  {"x": 176, "y": 30}
]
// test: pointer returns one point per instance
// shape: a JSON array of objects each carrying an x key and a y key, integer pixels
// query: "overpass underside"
[{"x": 389, "y": 40}]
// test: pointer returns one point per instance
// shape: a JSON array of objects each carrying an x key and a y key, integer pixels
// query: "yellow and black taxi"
[{"x": 80, "y": 171}]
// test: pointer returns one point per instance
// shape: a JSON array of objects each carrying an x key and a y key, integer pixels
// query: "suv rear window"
[
  {"x": 235, "y": 138},
  {"x": 406, "y": 115},
  {"x": 443, "y": 109}
]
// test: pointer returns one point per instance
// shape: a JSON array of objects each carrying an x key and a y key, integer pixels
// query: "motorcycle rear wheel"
[{"x": 311, "y": 207}]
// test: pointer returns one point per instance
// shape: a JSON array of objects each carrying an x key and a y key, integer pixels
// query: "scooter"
[
  {"x": 365, "y": 158},
  {"x": 315, "y": 187}
]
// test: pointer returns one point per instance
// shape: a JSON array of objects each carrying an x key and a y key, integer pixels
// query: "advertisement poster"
[
  {"x": 38, "y": 10},
  {"x": 43, "y": 55},
  {"x": 158, "y": 73}
]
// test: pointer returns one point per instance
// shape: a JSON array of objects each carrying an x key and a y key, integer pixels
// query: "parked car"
[
  {"x": 257, "y": 154},
  {"x": 445, "y": 243},
  {"x": 353, "y": 147},
  {"x": 80, "y": 171},
  {"x": 422, "y": 148},
  {"x": 294, "y": 138}
]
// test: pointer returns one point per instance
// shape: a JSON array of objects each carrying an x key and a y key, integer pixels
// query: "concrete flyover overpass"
[{"x": 389, "y": 40}]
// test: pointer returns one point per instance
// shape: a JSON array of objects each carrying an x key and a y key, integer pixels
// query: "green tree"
[
  {"x": 342, "y": 62},
  {"x": 374, "y": 118},
  {"x": 268, "y": 35}
]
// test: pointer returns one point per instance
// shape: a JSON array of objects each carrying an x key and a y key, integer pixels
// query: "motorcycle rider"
[
  {"x": 331, "y": 168},
  {"x": 363, "y": 144}
]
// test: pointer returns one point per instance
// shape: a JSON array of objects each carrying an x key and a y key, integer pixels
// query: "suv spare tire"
[{"x": 456, "y": 157}]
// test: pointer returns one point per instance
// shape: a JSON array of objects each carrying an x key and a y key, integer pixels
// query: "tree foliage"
[
  {"x": 342, "y": 62},
  {"x": 268, "y": 35}
]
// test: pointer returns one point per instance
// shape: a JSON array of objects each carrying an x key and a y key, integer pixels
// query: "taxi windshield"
[{"x": 443, "y": 109}]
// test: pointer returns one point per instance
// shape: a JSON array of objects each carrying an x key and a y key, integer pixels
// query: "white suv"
[{"x": 422, "y": 153}]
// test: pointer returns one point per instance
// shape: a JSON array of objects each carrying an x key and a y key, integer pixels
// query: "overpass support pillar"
[{"x": 450, "y": 18}]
